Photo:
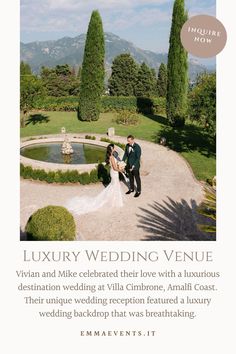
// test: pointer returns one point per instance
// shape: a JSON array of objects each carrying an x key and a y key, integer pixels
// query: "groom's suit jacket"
[{"x": 133, "y": 155}]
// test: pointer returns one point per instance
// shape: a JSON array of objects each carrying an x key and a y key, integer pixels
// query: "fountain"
[
  {"x": 66, "y": 148},
  {"x": 63, "y": 152}
]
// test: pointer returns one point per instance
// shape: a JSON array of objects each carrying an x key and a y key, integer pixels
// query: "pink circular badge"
[{"x": 203, "y": 36}]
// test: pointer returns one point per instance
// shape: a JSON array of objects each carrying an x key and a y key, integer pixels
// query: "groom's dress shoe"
[
  {"x": 130, "y": 191},
  {"x": 137, "y": 194}
]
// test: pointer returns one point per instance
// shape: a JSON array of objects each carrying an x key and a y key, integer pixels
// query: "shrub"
[
  {"x": 65, "y": 103},
  {"x": 94, "y": 176},
  {"x": 69, "y": 176},
  {"x": 90, "y": 137},
  {"x": 126, "y": 117},
  {"x": 84, "y": 178},
  {"x": 159, "y": 105},
  {"x": 50, "y": 177},
  {"x": 144, "y": 105},
  {"x": 51, "y": 223},
  {"x": 119, "y": 103},
  {"x": 73, "y": 176}
]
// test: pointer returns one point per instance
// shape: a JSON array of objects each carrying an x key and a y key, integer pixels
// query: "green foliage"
[
  {"x": 51, "y": 223},
  {"x": 178, "y": 121},
  {"x": 202, "y": 102},
  {"x": 60, "y": 81},
  {"x": 146, "y": 82},
  {"x": 159, "y": 105},
  {"x": 25, "y": 69},
  {"x": 69, "y": 176},
  {"x": 192, "y": 142},
  {"x": 153, "y": 105},
  {"x": 90, "y": 137},
  {"x": 63, "y": 104},
  {"x": 177, "y": 68},
  {"x": 118, "y": 103},
  {"x": 126, "y": 117},
  {"x": 208, "y": 209},
  {"x": 124, "y": 76},
  {"x": 106, "y": 140},
  {"x": 30, "y": 89},
  {"x": 162, "y": 80},
  {"x": 93, "y": 71}
]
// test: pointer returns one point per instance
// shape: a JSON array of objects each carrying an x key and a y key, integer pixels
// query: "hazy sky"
[{"x": 146, "y": 23}]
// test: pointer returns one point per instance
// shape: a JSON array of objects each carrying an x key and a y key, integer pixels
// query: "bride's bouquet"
[{"x": 121, "y": 165}]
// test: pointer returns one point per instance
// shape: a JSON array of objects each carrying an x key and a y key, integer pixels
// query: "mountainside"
[{"x": 70, "y": 50}]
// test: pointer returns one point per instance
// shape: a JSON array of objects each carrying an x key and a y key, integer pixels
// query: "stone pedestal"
[{"x": 111, "y": 132}]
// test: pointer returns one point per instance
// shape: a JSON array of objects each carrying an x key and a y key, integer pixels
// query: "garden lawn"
[{"x": 191, "y": 141}]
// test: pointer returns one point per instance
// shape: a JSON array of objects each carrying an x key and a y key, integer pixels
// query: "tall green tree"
[
  {"x": 202, "y": 102},
  {"x": 177, "y": 68},
  {"x": 146, "y": 81},
  {"x": 93, "y": 70},
  {"x": 124, "y": 76},
  {"x": 162, "y": 80},
  {"x": 30, "y": 89},
  {"x": 60, "y": 81}
]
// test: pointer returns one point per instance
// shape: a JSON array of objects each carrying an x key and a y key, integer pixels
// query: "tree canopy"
[
  {"x": 93, "y": 70},
  {"x": 146, "y": 81},
  {"x": 162, "y": 80},
  {"x": 202, "y": 102},
  {"x": 124, "y": 76},
  {"x": 177, "y": 68}
]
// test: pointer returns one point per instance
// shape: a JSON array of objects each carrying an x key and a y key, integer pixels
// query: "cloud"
[
  {"x": 64, "y": 16},
  {"x": 132, "y": 18},
  {"x": 73, "y": 15}
]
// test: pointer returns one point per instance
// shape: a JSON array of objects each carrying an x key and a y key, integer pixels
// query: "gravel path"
[{"x": 164, "y": 211}]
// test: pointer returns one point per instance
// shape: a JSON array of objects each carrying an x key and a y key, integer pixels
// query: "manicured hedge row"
[
  {"x": 27, "y": 172},
  {"x": 65, "y": 103},
  {"x": 113, "y": 103},
  {"x": 109, "y": 103}
]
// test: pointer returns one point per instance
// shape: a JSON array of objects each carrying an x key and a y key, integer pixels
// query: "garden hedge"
[
  {"x": 144, "y": 105},
  {"x": 69, "y": 176}
]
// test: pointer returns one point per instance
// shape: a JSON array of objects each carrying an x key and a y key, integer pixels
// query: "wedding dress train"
[{"x": 110, "y": 197}]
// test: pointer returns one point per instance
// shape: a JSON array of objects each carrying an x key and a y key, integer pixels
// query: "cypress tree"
[
  {"x": 124, "y": 76},
  {"x": 177, "y": 68},
  {"x": 93, "y": 71},
  {"x": 162, "y": 80},
  {"x": 146, "y": 81}
]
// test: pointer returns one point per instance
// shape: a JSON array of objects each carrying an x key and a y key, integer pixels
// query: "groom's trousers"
[{"x": 134, "y": 174}]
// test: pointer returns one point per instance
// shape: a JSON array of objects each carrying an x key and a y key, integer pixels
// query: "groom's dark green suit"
[{"x": 132, "y": 155}]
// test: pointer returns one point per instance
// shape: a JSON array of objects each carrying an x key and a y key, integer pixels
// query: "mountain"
[{"x": 70, "y": 50}]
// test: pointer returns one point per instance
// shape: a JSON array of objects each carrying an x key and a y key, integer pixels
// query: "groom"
[{"x": 133, "y": 155}]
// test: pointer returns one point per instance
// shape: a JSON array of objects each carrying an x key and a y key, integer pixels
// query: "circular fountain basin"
[{"x": 46, "y": 154}]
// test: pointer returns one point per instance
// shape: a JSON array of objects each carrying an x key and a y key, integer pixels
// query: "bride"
[{"x": 111, "y": 196}]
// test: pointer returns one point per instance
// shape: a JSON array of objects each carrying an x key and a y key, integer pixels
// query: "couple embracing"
[{"x": 111, "y": 196}]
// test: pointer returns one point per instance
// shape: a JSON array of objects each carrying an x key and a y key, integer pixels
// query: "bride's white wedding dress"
[{"x": 110, "y": 197}]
